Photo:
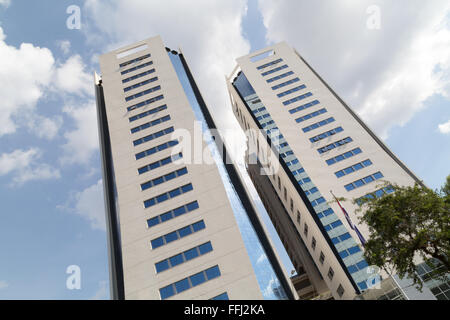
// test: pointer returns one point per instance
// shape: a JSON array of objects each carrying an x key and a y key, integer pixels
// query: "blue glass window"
[
  {"x": 198, "y": 226},
  {"x": 138, "y": 76},
  {"x": 147, "y": 113},
  {"x": 205, "y": 248},
  {"x": 162, "y": 266},
  {"x": 136, "y": 68},
  {"x": 150, "y": 124},
  {"x": 197, "y": 279},
  {"x": 142, "y": 93},
  {"x": 284, "y": 75},
  {"x": 182, "y": 285},
  {"x": 134, "y": 60},
  {"x": 140, "y": 84},
  {"x": 191, "y": 254},
  {"x": 144, "y": 103},
  {"x": 171, "y": 237},
  {"x": 301, "y": 97},
  {"x": 223, "y": 296},
  {"x": 274, "y": 70},
  {"x": 185, "y": 231},
  {"x": 158, "y": 242},
  {"x": 176, "y": 260},
  {"x": 212, "y": 273},
  {"x": 166, "y": 292}
]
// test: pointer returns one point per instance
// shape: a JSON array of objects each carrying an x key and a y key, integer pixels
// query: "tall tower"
[
  {"x": 306, "y": 145},
  {"x": 178, "y": 228}
]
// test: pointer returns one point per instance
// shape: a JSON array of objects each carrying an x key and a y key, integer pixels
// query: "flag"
[{"x": 360, "y": 236}]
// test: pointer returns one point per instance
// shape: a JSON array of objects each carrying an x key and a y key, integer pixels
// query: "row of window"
[
  {"x": 153, "y": 136},
  {"x": 160, "y": 163},
  {"x": 183, "y": 257},
  {"x": 318, "y": 201},
  {"x": 285, "y": 93},
  {"x": 318, "y": 124},
  {"x": 305, "y": 180},
  {"x": 189, "y": 282},
  {"x": 353, "y": 168},
  {"x": 178, "y": 234},
  {"x": 142, "y": 93},
  {"x": 333, "y": 225},
  {"x": 147, "y": 113},
  {"x": 146, "y": 102},
  {"x": 263, "y": 116},
  {"x": 311, "y": 191},
  {"x": 137, "y": 67},
  {"x": 267, "y": 124},
  {"x": 135, "y": 60},
  {"x": 169, "y": 215},
  {"x": 376, "y": 194},
  {"x": 363, "y": 181},
  {"x": 325, "y": 213},
  {"x": 326, "y": 134},
  {"x": 344, "y": 156},
  {"x": 223, "y": 296},
  {"x": 269, "y": 64},
  {"x": 303, "y": 96},
  {"x": 167, "y": 177},
  {"x": 297, "y": 172},
  {"x": 311, "y": 115},
  {"x": 341, "y": 238},
  {"x": 278, "y": 86},
  {"x": 140, "y": 84},
  {"x": 150, "y": 124},
  {"x": 334, "y": 145},
  {"x": 290, "y": 163},
  {"x": 139, "y": 75},
  {"x": 274, "y": 70},
  {"x": 259, "y": 110},
  {"x": 358, "y": 266},
  {"x": 348, "y": 252},
  {"x": 156, "y": 149},
  {"x": 281, "y": 76},
  {"x": 304, "y": 106},
  {"x": 168, "y": 195}
]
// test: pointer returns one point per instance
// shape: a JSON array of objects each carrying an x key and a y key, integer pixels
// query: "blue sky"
[{"x": 396, "y": 77}]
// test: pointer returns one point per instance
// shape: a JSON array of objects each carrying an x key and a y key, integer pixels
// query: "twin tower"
[{"x": 183, "y": 228}]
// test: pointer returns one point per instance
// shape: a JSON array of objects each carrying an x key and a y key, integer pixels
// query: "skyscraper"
[
  {"x": 178, "y": 228},
  {"x": 306, "y": 147}
]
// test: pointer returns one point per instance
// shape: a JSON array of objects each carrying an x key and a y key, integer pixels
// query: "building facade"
[
  {"x": 306, "y": 147},
  {"x": 177, "y": 228}
]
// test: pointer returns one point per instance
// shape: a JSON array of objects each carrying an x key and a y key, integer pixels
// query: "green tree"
[{"x": 412, "y": 221}]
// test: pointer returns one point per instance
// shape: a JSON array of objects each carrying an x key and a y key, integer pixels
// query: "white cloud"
[
  {"x": 83, "y": 141},
  {"x": 71, "y": 77},
  {"x": 24, "y": 167},
  {"x": 444, "y": 127},
  {"x": 24, "y": 73},
  {"x": 386, "y": 75},
  {"x": 64, "y": 45},
  {"x": 102, "y": 292},
  {"x": 3, "y": 284},
  {"x": 261, "y": 258},
  {"x": 5, "y": 3},
  {"x": 90, "y": 205}
]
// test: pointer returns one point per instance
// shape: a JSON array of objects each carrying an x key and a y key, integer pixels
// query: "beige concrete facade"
[
  {"x": 322, "y": 174},
  {"x": 140, "y": 278}
]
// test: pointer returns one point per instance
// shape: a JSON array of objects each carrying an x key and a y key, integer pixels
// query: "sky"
[{"x": 389, "y": 60}]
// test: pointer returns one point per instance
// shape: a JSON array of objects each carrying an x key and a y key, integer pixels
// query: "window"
[
  {"x": 292, "y": 205},
  {"x": 285, "y": 93},
  {"x": 285, "y": 83},
  {"x": 274, "y": 70},
  {"x": 333, "y": 225},
  {"x": 183, "y": 257},
  {"x": 153, "y": 136},
  {"x": 150, "y": 124},
  {"x": 353, "y": 168},
  {"x": 142, "y": 93},
  {"x": 305, "y": 230},
  {"x": 304, "y": 106},
  {"x": 311, "y": 115},
  {"x": 301, "y": 97},
  {"x": 285, "y": 194},
  {"x": 143, "y": 74},
  {"x": 298, "y": 217},
  {"x": 334, "y": 145},
  {"x": 134, "y": 60},
  {"x": 165, "y": 178},
  {"x": 177, "y": 234},
  {"x": 284, "y": 75},
  {"x": 147, "y": 113},
  {"x": 140, "y": 84},
  {"x": 160, "y": 163},
  {"x": 317, "y": 124},
  {"x": 379, "y": 193},
  {"x": 269, "y": 64},
  {"x": 137, "y": 67},
  {"x": 144, "y": 103},
  {"x": 330, "y": 273},
  {"x": 189, "y": 282},
  {"x": 325, "y": 213},
  {"x": 223, "y": 296},
  {"x": 321, "y": 258},
  {"x": 156, "y": 149},
  {"x": 326, "y": 134},
  {"x": 168, "y": 195},
  {"x": 313, "y": 243},
  {"x": 363, "y": 181},
  {"x": 279, "y": 183},
  {"x": 340, "y": 291}
]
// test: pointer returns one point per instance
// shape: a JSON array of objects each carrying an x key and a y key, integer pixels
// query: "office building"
[
  {"x": 177, "y": 228},
  {"x": 306, "y": 147}
]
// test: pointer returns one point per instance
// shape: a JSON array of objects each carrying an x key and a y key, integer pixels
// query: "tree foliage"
[{"x": 411, "y": 222}]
